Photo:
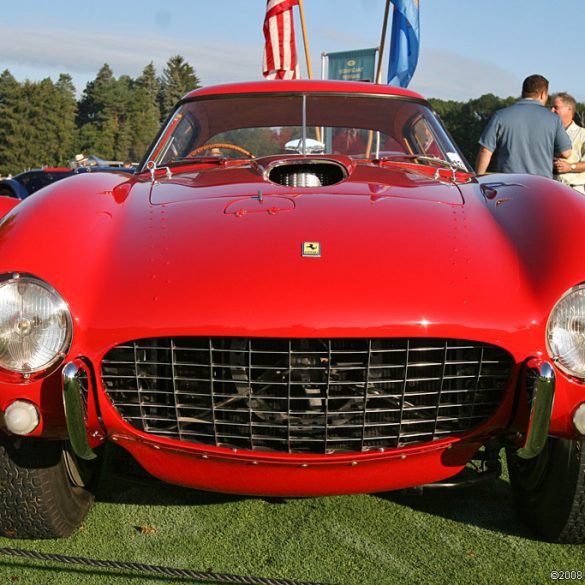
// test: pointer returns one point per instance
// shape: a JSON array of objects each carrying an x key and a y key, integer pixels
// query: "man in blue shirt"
[{"x": 526, "y": 135}]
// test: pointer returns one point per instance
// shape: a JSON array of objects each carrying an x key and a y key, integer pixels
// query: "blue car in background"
[{"x": 24, "y": 184}]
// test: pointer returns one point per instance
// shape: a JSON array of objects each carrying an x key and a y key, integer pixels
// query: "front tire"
[
  {"x": 549, "y": 490},
  {"x": 43, "y": 489}
]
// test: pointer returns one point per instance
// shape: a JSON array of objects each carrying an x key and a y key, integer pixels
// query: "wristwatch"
[{"x": 573, "y": 166}]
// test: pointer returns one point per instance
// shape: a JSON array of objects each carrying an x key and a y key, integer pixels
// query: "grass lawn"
[{"x": 465, "y": 536}]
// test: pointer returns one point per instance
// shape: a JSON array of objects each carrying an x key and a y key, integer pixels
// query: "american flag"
[{"x": 280, "y": 54}]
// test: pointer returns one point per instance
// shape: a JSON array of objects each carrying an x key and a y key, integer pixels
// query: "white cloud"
[
  {"x": 81, "y": 54},
  {"x": 49, "y": 52},
  {"x": 448, "y": 76}
]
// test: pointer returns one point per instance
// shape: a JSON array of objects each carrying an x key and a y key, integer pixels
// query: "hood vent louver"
[{"x": 303, "y": 174}]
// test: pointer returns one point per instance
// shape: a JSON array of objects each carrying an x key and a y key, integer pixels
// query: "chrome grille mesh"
[{"x": 305, "y": 395}]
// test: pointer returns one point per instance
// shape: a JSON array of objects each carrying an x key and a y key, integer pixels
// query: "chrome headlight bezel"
[
  {"x": 565, "y": 332},
  {"x": 49, "y": 319}
]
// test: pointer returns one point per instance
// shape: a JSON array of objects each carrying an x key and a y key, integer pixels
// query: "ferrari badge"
[{"x": 312, "y": 249}]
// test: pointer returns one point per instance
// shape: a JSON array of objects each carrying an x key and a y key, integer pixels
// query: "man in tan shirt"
[{"x": 570, "y": 171}]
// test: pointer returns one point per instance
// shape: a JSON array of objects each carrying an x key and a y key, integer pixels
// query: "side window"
[
  {"x": 25, "y": 179},
  {"x": 424, "y": 139},
  {"x": 6, "y": 191},
  {"x": 184, "y": 137},
  {"x": 39, "y": 180},
  {"x": 182, "y": 140}
]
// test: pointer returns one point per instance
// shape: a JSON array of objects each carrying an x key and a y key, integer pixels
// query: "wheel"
[
  {"x": 43, "y": 489},
  {"x": 549, "y": 490},
  {"x": 235, "y": 147}
]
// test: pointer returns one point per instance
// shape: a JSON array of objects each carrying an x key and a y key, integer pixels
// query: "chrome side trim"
[
  {"x": 543, "y": 394},
  {"x": 74, "y": 411}
]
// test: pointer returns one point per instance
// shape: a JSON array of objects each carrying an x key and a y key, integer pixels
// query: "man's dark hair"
[{"x": 534, "y": 85}]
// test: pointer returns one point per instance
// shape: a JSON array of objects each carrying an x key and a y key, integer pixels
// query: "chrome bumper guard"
[
  {"x": 75, "y": 411},
  {"x": 543, "y": 394},
  {"x": 543, "y": 391}
]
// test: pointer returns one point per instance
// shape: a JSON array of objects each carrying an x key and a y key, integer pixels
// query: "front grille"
[{"x": 305, "y": 395}]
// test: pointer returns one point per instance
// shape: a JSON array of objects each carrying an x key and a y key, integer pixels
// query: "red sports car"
[{"x": 303, "y": 290}]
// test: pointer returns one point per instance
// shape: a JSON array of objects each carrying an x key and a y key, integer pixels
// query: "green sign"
[{"x": 357, "y": 65}]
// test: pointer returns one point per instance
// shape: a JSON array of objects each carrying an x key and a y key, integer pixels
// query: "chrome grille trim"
[{"x": 306, "y": 395}]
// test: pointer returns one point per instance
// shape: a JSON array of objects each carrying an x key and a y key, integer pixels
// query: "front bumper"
[
  {"x": 540, "y": 376},
  {"x": 243, "y": 471},
  {"x": 232, "y": 470}
]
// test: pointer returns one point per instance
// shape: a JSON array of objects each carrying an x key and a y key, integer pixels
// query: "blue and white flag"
[{"x": 404, "y": 42}]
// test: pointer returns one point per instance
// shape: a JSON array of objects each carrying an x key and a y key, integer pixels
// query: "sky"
[{"x": 467, "y": 47}]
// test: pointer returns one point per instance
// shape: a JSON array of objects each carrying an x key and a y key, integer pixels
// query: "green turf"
[{"x": 465, "y": 536}]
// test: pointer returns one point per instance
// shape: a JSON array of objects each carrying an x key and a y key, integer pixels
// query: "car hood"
[
  {"x": 367, "y": 180},
  {"x": 184, "y": 256}
]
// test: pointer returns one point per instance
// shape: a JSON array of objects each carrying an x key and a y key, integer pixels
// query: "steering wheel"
[{"x": 235, "y": 147}]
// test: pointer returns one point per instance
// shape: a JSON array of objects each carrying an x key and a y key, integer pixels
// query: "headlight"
[
  {"x": 566, "y": 332},
  {"x": 35, "y": 325}
]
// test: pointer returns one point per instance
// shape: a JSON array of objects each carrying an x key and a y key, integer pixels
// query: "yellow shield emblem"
[{"x": 312, "y": 249}]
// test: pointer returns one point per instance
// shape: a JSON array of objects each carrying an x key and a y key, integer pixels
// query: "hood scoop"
[{"x": 305, "y": 173}]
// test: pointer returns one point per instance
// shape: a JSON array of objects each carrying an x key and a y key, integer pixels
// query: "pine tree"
[
  {"x": 9, "y": 123},
  {"x": 120, "y": 112},
  {"x": 177, "y": 79},
  {"x": 143, "y": 113},
  {"x": 44, "y": 121},
  {"x": 38, "y": 122},
  {"x": 25, "y": 141},
  {"x": 66, "y": 111},
  {"x": 97, "y": 126},
  {"x": 149, "y": 82},
  {"x": 41, "y": 123}
]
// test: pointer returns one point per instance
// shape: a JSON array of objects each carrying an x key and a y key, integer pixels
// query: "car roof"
[{"x": 304, "y": 85}]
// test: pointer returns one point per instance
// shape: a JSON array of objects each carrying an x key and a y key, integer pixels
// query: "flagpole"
[
  {"x": 379, "y": 69},
  {"x": 305, "y": 40},
  {"x": 307, "y": 55},
  {"x": 382, "y": 42}
]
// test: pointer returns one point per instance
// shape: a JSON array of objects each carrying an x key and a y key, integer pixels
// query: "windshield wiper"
[
  {"x": 197, "y": 159},
  {"x": 433, "y": 160},
  {"x": 422, "y": 157}
]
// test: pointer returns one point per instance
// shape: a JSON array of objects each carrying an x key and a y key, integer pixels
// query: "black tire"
[
  {"x": 43, "y": 490},
  {"x": 549, "y": 490}
]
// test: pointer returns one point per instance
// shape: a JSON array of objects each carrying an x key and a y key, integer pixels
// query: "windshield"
[{"x": 254, "y": 125}]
